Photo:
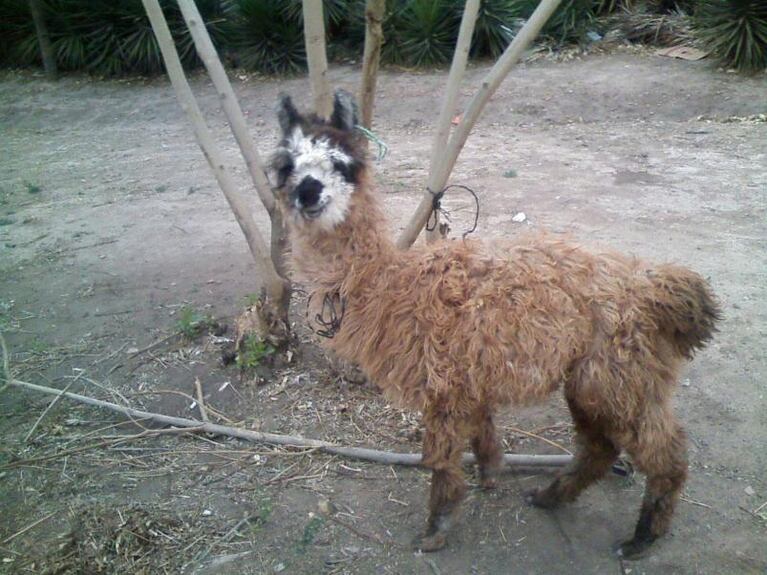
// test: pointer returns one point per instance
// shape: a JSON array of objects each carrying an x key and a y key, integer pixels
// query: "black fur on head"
[{"x": 344, "y": 115}]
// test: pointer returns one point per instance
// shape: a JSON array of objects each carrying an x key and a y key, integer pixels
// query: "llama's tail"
[{"x": 685, "y": 307}]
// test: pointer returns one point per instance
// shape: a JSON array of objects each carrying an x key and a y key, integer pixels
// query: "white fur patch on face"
[{"x": 315, "y": 159}]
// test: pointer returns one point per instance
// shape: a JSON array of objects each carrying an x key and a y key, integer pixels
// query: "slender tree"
[
  {"x": 487, "y": 88},
  {"x": 44, "y": 39},
  {"x": 316, "y": 57},
  {"x": 273, "y": 326},
  {"x": 374, "y": 15}
]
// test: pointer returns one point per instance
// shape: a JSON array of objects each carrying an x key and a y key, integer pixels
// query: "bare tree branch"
[
  {"x": 374, "y": 15},
  {"x": 316, "y": 57},
  {"x": 273, "y": 283},
  {"x": 457, "y": 68},
  {"x": 487, "y": 88},
  {"x": 276, "y": 439},
  {"x": 229, "y": 103},
  {"x": 44, "y": 39}
]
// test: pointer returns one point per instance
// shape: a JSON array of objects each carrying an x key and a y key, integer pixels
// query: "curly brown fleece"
[{"x": 457, "y": 329}]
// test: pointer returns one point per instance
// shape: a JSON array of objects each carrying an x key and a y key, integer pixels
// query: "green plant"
[
  {"x": 311, "y": 530},
  {"x": 420, "y": 32},
  {"x": 32, "y": 188},
  {"x": 497, "y": 23},
  {"x": 101, "y": 36},
  {"x": 251, "y": 299},
  {"x": 568, "y": 23},
  {"x": 335, "y": 12},
  {"x": 266, "y": 35},
  {"x": 191, "y": 323},
  {"x": 734, "y": 31},
  {"x": 253, "y": 350}
]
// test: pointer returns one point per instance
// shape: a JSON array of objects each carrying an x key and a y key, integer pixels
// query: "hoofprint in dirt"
[{"x": 111, "y": 225}]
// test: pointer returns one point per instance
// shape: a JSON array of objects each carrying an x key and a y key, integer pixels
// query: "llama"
[{"x": 456, "y": 329}]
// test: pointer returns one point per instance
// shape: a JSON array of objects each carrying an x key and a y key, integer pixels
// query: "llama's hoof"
[
  {"x": 430, "y": 542},
  {"x": 633, "y": 548},
  {"x": 541, "y": 498}
]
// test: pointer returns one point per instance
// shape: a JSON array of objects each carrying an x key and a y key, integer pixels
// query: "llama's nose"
[{"x": 308, "y": 192}]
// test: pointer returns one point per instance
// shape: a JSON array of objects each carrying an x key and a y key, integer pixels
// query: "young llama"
[{"x": 456, "y": 329}]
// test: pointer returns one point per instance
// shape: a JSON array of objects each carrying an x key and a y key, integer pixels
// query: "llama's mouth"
[{"x": 313, "y": 212}]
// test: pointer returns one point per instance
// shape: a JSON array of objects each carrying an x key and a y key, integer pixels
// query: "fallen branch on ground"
[{"x": 374, "y": 455}]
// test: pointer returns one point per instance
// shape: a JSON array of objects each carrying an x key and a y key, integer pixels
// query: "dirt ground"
[{"x": 110, "y": 223}]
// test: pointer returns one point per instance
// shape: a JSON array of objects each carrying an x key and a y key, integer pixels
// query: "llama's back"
[{"x": 523, "y": 315}]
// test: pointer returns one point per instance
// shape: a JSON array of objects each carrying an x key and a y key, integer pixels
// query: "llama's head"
[{"x": 318, "y": 163}]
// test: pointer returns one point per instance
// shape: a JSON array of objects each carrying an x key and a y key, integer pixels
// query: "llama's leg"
[
  {"x": 596, "y": 453},
  {"x": 661, "y": 453},
  {"x": 486, "y": 447},
  {"x": 442, "y": 450}
]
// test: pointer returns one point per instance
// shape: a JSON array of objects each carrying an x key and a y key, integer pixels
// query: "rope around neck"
[{"x": 329, "y": 317}]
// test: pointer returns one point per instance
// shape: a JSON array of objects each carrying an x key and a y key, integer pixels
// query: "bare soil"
[{"x": 111, "y": 223}]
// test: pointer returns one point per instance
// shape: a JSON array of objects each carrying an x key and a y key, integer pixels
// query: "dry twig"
[
  {"x": 6, "y": 364},
  {"x": 536, "y": 436},
  {"x": 28, "y": 527},
  {"x": 211, "y": 410},
  {"x": 200, "y": 401},
  {"x": 50, "y": 406},
  {"x": 385, "y": 457}
]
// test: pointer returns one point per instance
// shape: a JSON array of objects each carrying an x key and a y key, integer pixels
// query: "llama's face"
[{"x": 317, "y": 164}]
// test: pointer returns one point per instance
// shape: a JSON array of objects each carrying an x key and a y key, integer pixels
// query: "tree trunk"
[
  {"x": 239, "y": 127},
  {"x": 487, "y": 88},
  {"x": 275, "y": 292},
  {"x": 457, "y": 68},
  {"x": 374, "y": 15},
  {"x": 316, "y": 57},
  {"x": 44, "y": 39}
]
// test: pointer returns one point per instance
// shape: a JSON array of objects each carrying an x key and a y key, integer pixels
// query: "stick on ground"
[
  {"x": 200, "y": 400},
  {"x": 374, "y": 455}
]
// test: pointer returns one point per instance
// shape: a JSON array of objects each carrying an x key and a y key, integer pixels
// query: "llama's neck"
[{"x": 359, "y": 246}]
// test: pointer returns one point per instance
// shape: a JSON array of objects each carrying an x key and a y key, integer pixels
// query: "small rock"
[
  {"x": 279, "y": 568},
  {"x": 686, "y": 383},
  {"x": 207, "y": 513},
  {"x": 519, "y": 217},
  {"x": 750, "y": 491}
]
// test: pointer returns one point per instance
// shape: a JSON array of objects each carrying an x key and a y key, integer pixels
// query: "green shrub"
[
  {"x": 734, "y": 31},
  {"x": 103, "y": 37},
  {"x": 18, "y": 43},
  {"x": 420, "y": 32},
  {"x": 192, "y": 324},
  {"x": 253, "y": 350},
  {"x": 266, "y": 36},
  {"x": 497, "y": 24},
  {"x": 109, "y": 37}
]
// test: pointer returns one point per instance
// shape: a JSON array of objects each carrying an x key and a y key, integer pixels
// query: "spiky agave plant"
[
  {"x": 18, "y": 42},
  {"x": 420, "y": 32},
  {"x": 106, "y": 37},
  {"x": 569, "y": 22},
  {"x": 735, "y": 32},
  {"x": 266, "y": 35},
  {"x": 497, "y": 23}
]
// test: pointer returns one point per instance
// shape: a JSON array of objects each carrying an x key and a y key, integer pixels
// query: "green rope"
[{"x": 383, "y": 149}]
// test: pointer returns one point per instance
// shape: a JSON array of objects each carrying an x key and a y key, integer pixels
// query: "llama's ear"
[
  {"x": 344, "y": 111},
  {"x": 287, "y": 114}
]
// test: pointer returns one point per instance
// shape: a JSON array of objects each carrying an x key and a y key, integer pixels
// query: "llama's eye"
[{"x": 348, "y": 171}]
